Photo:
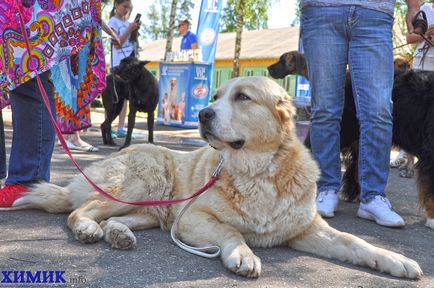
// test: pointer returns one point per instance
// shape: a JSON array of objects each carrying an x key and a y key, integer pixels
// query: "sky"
[{"x": 282, "y": 12}]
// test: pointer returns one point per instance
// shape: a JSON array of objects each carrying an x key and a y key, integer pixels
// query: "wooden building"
[{"x": 259, "y": 49}]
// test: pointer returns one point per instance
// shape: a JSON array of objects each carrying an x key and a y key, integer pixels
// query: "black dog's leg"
[
  {"x": 131, "y": 123},
  {"x": 104, "y": 131},
  {"x": 111, "y": 114},
  {"x": 151, "y": 127}
]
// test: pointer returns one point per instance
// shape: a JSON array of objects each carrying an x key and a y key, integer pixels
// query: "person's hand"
[
  {"x": 116, "y": 41},
  {"x": 133, "y": 26},
  {"x": 430, "y": 32}
]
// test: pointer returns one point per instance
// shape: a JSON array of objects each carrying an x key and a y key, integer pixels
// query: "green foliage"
[
  {"x": 255, "y": 15},
  {"x": 157, "y": 24},
  {"x": 297, "y": 14},
  {"x": 157, "y": 21}
]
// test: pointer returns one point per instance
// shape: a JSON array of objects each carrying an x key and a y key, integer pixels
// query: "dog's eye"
[
  {"x": 241, "y": 97},
  {"x": 215, "y": 97}
]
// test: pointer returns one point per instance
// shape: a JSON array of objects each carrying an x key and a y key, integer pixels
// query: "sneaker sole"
[
  {"x": 366, "y": 215},
  {"x": 326, "y": 215}
]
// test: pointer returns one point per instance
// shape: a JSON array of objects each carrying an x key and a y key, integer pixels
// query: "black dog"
[
  {"x": 135, "y": 83},
  {"x": 413, "y": 125}
]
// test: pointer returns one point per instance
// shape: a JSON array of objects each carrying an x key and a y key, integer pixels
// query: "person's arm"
[
  {"x": 413, "y": 38},
  {"x": 413, "y": 7},
  {"x": 132, "y": 27},
  {"x": 111, "y": 33},
  {"x": 194, "y": 42}
]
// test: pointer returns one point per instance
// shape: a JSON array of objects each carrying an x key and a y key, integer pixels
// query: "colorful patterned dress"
[{"x": 64, "y": 36}]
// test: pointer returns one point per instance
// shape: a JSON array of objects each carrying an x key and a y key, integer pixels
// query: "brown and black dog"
[{"x": 413, "y": 124}]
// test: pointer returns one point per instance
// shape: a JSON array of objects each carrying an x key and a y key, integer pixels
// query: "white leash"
[{"x": 208, "y": 251}]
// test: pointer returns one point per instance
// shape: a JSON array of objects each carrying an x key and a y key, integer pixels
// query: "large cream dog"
[{"x": 265, "y": 195}]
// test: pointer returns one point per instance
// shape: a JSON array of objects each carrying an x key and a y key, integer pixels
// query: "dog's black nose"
[{"x": 206, "y": 115}]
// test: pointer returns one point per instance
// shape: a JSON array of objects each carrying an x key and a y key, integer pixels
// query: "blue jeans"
[
  {"x": 33, "y": 133},
  {"x": 362, "y": 38}
]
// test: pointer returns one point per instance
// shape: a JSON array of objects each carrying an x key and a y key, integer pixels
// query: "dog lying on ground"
[
  {"x": 134, "y": 83},
  {"x": 413, "y": 126},
  {"x": 265, "y": 195}
]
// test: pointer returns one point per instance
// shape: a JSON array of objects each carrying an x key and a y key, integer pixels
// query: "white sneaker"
[
  {"x": 327, "y": 203},
  {"x": 429, "y": 223},
  {"x": 380, "y": 210}
]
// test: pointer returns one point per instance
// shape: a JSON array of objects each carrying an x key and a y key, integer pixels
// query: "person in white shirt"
[
  {"x": 423, "y": 59},
  {"x": 119, "y": 23},
  {"x": 424, "y": 53}
]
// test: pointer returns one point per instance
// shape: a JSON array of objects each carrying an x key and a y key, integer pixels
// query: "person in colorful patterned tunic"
[{"x": 63, "y": 37}]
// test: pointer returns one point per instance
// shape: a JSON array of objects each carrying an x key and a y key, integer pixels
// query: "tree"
[
  {"x": 158, "y": 15},
  {"x": 239, "y": 27},
  {"x": 171, "y": 28},
  {"x": 255, "y": 15},
  {"x": 296, "y": 21},
  {"x": 158, "y": 24},
  {"x": 248, "y": 14}
]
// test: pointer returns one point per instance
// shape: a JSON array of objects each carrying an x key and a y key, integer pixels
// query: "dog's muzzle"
[
  {"x": 206, "y": 116},
  {"x": 271, "y": 71}
]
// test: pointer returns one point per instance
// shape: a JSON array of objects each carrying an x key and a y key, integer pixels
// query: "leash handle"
[
  {"x": 207, "y": 251},
  {"x": 113, "y": 74},
  {"x": 420, "y": 23}
]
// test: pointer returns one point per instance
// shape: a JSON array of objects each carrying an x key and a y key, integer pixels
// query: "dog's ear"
[
  {"x": 144, "y": 62},
  {"x": 285, "y": 110},
  {"x": 290, "y": 57}
]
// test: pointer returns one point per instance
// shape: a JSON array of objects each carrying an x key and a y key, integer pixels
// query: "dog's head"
[
  {"x": 400, "y": 65},
  {"x": 130, "y": 69},
  {"x": 289, "y": 63},
  {"x": 250, "y": 114}
]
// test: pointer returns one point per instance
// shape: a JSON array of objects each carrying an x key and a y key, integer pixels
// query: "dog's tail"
[
  {"x": 350, "y": 190},
  {"x": 46, "y": 196}
]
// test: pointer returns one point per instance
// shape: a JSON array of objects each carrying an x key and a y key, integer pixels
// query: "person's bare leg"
[{"x": 122, "y": 115}]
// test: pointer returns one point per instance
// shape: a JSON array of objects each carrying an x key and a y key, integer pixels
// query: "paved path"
[{"x": 35, "y": 241}]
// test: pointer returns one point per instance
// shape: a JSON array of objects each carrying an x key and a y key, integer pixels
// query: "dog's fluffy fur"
[
  {"x": 265, "y": 195},
  {"x": 135, "y": 83},
  {"x": 413, "y": 125}
]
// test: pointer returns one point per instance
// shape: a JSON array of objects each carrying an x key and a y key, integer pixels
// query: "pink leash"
[{"x": 214, "y": 178}]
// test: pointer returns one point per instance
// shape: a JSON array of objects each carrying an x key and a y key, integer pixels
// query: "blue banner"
[
  {"x": 208, "y": 28},
  {"x": 302, "y": 87},
  {"x": 184, "y": 91}
]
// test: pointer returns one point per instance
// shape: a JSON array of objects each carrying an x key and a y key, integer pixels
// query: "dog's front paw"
[
  {"x": 406, "y": 172},
  {"x": 118, "y": 235},
  {"x": 396, "y": 264},
  {"x": 87, "y": 231},
  {"x": 111, "y": 142},
  {"x": 241, "y": 260}
]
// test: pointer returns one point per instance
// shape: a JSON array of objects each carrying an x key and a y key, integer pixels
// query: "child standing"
[{"x": 119, "y": 23}]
